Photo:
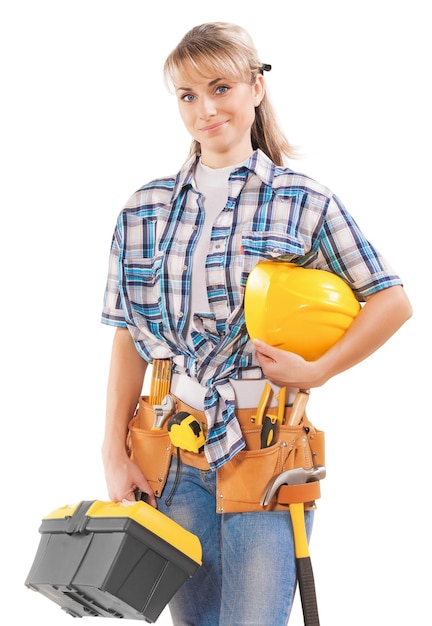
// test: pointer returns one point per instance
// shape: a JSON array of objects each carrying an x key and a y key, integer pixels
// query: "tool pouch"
[
  {"x": 242, "y": 481},
  {"x": 149, "y": 449}
]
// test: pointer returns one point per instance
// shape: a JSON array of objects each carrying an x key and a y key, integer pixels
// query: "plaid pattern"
[{"x": 271, "y": 213}]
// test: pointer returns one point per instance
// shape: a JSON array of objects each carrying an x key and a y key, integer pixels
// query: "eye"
[
  {"x": 221, "y": 89},
  {"x": 188, "y": 97}
]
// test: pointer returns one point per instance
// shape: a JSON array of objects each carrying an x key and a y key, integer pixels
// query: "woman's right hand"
[{"x": 123, "y": 478}]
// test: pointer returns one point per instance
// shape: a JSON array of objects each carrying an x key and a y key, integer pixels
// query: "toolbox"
[{"x": 113, "y": 560}]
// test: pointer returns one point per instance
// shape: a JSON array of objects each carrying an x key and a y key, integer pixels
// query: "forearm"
[
  {"x": 382, "y": 315},
  {"x": 125, "y": 381}
]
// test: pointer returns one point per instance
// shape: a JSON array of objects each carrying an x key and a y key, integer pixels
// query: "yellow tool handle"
[
  {"x": 281, "y": 405},
  {"x": 298, "y": 408},
  {"x": 262, "y": 405},
  {"x": 304, "y": 566},
  {"x": 299, "y": 529}
]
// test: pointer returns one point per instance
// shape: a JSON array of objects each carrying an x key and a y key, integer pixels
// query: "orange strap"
[{"x": 307, "y": 492}]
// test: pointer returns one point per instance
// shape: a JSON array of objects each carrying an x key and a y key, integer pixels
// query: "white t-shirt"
[{"x": 213, "y": 184}]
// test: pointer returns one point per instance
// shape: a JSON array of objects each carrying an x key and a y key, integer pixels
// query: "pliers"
[{"x": 270, "y": 423}]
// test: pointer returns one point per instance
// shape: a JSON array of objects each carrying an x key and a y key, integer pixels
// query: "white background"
[{"x": 85, "y": 121}]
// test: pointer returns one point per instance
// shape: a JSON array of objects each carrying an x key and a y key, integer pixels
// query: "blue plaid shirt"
[{"x": 271, "y": 213}]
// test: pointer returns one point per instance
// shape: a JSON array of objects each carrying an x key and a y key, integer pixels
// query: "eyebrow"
[{"x": 210, "y": 84}]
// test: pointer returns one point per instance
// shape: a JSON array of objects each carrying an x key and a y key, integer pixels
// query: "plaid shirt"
[{"x": 271, "y": 213}]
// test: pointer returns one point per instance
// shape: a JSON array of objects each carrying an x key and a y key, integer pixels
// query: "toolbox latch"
[{"x": 77, "y": 523}]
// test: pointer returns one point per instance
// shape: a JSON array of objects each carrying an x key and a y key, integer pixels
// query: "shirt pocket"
[
  {"x": 268, "y": 245},
  {"x": 142, "y": 288}
]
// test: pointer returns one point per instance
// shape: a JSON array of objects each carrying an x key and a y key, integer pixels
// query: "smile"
[{"x": 212, "y": 127}]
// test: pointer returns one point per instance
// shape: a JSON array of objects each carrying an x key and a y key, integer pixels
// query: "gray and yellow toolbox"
[{"x": 108, "y": 559}]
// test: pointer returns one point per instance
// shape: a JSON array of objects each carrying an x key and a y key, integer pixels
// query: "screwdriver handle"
[{"x": 298, "y": 408}]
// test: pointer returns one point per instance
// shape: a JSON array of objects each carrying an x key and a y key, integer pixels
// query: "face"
[{"x": 219, "y": 114}]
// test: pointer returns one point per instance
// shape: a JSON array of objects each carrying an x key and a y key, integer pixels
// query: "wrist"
[
  {"x": 114, "y": 449},
  {"x": 321, "y": 371}
]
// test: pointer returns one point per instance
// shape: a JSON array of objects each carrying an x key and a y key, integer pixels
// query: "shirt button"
[
  {"x": 194, "y": 227},
  {"x": 180, "y": 313},
  {"x": 185, "y": 267}
]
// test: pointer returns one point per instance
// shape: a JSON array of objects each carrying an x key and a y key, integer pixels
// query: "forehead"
[
  {"x": 200, "y": 72},
  {"x": 197, "y": 81}
]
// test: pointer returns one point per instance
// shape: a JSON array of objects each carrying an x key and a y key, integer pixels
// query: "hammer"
[
  {"x": 295, "y": 476},
  {"x": 299, "y": 476}
]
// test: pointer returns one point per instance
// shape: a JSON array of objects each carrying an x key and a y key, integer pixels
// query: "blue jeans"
[{"x": 248, "y": 574}]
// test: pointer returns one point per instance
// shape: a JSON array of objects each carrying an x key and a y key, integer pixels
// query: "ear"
[{"x": 258, "y": 89}]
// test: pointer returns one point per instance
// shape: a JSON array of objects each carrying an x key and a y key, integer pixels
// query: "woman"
[{"x": 181, "y": 252}]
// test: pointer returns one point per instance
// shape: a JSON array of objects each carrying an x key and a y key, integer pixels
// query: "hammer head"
[{"x": 296, "y": 476}]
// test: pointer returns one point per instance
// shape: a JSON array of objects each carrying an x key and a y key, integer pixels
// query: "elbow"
[
  {"x": 405, "y": 305},
  {"x": 393, "y": 305},
  {"x": 408, "y": 310},
  {"x": 402, "y": 305}
]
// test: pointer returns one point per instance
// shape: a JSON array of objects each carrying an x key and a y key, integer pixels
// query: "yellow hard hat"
[{"x": 298, "y": 309}]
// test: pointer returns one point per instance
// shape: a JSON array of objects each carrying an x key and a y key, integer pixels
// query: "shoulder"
[
  {"x": 289, "y": 180},
  {"x": 158, "y": 192},
  {"x": 286, "y": 181},
  {"x": 151, "y": 194}
]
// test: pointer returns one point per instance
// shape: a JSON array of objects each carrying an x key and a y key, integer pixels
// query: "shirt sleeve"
[
  {"x": 112, "y": 313},
  {"x": 344, "y": 250}
]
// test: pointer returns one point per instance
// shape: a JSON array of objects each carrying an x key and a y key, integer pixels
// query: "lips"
[{"x": 212, "y": 127}]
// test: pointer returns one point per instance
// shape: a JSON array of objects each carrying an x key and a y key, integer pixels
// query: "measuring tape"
[{"x": 185, "y": 432}]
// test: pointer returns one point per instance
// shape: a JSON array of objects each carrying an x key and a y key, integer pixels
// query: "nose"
[{"x": 207, "y": 107}]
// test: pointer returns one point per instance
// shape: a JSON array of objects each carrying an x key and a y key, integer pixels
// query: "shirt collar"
[
  {"x": 184, "y": 177},
  {"x": 258, "y": 163},
  {"x": 263, "y": 167}
]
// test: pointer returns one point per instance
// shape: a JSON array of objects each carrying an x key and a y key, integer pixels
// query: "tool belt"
[{"x": 242, "y": 481}]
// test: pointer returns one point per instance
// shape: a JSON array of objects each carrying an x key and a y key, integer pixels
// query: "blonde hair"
[{"x": 227, "y": 50}]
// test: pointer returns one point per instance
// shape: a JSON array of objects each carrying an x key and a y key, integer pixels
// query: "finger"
[
  {"x": 259, "y": 345},
  {"x": 149, "y": 494},
  {"x": 264, "y": 349},
  {"x": 152, "y": 500},
  {"x": 130, "y": 495}
]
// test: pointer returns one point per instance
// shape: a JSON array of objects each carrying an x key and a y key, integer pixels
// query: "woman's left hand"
[{"x": 286, "y": 368}]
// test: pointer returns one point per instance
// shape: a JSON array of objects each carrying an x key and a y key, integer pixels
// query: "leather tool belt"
[{"x": 242, "y": 481}]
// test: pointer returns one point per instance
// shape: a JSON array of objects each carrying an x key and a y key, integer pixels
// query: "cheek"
[
  {"x": 248, "y": 107},
  {"x": 188, "y": 122},
  {"x": 185, "y": 116},
  {"x": 249, "y": 115}
]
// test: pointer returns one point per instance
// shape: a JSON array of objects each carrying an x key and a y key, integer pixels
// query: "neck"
[{"x": 217, "y": 160}]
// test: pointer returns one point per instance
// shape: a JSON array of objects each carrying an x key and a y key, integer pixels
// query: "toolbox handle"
[{"x": 140, "y": 496}]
